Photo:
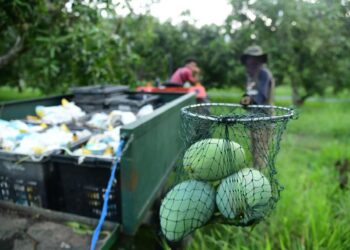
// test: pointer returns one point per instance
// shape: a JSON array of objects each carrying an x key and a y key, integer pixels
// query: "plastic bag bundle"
[
  {"x": 227, "y": 172},
  {"x": 65, "y": 113},
  {"x": 102, "y": 144},
  {"x": 28, "y": 139}
]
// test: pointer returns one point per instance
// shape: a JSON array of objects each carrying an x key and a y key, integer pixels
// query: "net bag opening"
[{"x": 227, "y": 172}]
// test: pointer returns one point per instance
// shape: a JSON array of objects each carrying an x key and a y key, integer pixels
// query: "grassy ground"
[
  {"x": 313, "y": 211},
  {"x": 8, "y": 94},
  {"x": 280, "y": 91}
]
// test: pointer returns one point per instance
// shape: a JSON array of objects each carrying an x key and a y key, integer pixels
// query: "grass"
[
  {"x": 9, "y": 94},
  {"x": 313, "y": 211},
  {"x": 280, "y": 91}
]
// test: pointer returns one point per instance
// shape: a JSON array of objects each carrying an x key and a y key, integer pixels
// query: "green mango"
[
  {"x": 244, "y": 196},
  {"x": 213, "y": 159},
  {"x": 188, "y": 206}
]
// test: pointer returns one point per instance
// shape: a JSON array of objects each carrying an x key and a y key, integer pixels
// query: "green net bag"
[{"x": 227, "y": 173}]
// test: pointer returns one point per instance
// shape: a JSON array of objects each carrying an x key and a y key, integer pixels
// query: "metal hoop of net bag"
[{"x": 227, "y": 173}]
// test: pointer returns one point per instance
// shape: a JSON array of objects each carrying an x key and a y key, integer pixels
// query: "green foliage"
[
  {"x": 71, "y": 43},
  {"x": 307, "y": 41},
  {"x": 63, "y": 46},
  {"x": 163, "y": 47}
]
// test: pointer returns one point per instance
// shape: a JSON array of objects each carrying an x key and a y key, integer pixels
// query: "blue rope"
[{"x": 106, "y": 195}]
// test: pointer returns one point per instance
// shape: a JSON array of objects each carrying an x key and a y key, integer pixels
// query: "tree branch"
[
  {"x": 128, "y": 5},
  {"x": 12, "y": 53}
]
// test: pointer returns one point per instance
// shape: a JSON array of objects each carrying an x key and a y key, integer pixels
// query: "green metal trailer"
[{"x": 146, "y": 164}]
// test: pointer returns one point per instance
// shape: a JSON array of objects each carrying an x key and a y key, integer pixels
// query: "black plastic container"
[
  {"x": 81, "y": 186},
  {"x": 132, "y": 101},
  {"x": 26, "y": 182},
  {"x": 29, "y": 180},
  {"x": 92, "y": 98},
  {"x": 91, "y": 107},
  {"x": 97, "y": 92}
]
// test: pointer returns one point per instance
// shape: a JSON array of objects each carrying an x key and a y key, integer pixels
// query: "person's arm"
[{"x": 189, "y": 77}]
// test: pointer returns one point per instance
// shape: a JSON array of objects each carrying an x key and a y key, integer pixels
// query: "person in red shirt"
[{"x": 186, "y": 74}]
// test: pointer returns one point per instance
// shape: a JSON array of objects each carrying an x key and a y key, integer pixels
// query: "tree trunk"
[
  {"x": 295, "y": 94},
  {"x": 12, "y": 53},
  {"x": 297, "y": 99}
]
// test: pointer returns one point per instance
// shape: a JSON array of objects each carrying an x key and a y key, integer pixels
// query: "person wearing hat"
[
  {"x": 259, "y": 90},
  {"x": 260, "y": 83}
]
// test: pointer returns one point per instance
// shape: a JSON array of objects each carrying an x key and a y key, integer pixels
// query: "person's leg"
[{"x": 260, "y": 138}]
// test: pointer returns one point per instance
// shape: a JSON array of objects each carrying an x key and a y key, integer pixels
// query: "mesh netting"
[{"x": 228, "y": 170}]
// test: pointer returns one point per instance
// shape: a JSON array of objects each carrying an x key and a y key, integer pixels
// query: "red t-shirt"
[{"x": 182, "y": 75}]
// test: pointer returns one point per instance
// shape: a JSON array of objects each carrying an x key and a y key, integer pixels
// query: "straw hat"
[{"x": 254, "y": 51}]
